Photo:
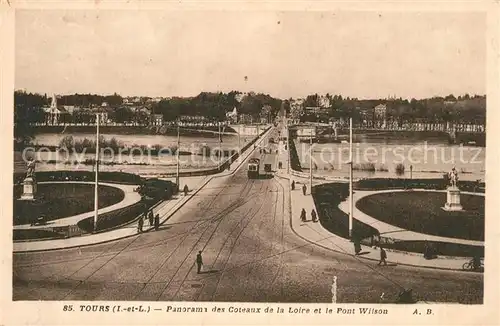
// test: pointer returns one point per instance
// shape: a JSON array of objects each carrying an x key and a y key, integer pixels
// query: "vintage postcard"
[{"x": 256, "y": 163}]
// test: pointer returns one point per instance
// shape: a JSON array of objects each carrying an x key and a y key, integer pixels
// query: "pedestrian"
[
  {"x": 357, "y": 246},
  {"x": 304, "y": 189},
  {"x": 313, "y": 215},
  {"x": 199, "y": 261},
  {"x": 293, "y": 184},
  {"x": 140, "y": 224},
  {"x": 303, "y": 215},
  {"x": 157, "y": 222},
  {"x": 186, "y": 189},
  {"x": 151, "y": 218},
  {"x": 383, "y": 257}
]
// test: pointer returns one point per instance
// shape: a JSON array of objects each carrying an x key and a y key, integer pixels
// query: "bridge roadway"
[{"x": 250, "y": 253}]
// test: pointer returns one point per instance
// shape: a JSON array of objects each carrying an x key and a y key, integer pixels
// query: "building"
[
  {"x": 157, "y": 119},
  {"x": 380, "y": 111},
  {"x": 313, "y": 110},
  {"x": 245, "y": 118},
  {"x": 324, "y": 101},
  {"x": 55, "y": 115},
  {"x": 232, "y": 116},
  {"x": 193, "y": 118},
  {"x": 380, "y": 115},
  {"x": 69, "y": 108}
]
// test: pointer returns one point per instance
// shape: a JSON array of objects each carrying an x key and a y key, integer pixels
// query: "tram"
[{"x": 253, "y": 168}]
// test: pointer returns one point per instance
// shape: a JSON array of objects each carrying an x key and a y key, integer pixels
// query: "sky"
[{"x": 284, "y": 54}]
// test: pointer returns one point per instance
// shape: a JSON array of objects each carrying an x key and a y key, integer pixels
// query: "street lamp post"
[
  {"x": 411, "y": 172},
  {"x": 350, "y": 180},
  {"x": 310, "y": 162},
  {"x": 96, "y": 189},
  {"x": 177, "y": 177},
  {"x": 220, "y": 146}
]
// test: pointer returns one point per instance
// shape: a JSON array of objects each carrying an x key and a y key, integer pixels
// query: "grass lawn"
[
  {"x": 421, "y": 212},
  {"x": 63, "y": 200}
]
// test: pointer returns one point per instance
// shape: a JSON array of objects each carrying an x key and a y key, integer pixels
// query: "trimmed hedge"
[
  {"x": 437, "y": 184},
  {"x": 29, "y": 234},
  {"x": 106, "y": 176},
  {"x": 439, "y": 248},
  {"x": 115, "y": 218}
]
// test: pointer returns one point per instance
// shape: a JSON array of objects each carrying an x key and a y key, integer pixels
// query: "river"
[
  {"x": 428, "y": 159},
  {"x": 140, "y": 161}
]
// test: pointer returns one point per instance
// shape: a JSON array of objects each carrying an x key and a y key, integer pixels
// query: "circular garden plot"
[
  {"x": 421, "y": 211},
  {"x": 60, "y": 200}
]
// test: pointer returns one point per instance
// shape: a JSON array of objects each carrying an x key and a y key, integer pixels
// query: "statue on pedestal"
[
  {"x": 453, "y": 193},
  {"x": 31, "y": 168},
  {"x": 29, "y": 183},
  {"x": 453, "y": 176}
]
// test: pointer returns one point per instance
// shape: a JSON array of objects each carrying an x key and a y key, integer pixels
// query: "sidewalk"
[
  {"x": 166, "y": 209},
  {"x": 316, "y": 234}
]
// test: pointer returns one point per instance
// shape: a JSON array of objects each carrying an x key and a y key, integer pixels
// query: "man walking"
[
  {"x": 303, "y": 215},
  {"x": 151, "y": 218},
  {"x": 383, "y": 257},
  {"x": 140, "y": 224},
  {"x": 304, "y": 189},
  {"x": 199, "y": 261},
  {"x": 157, "y": 222},
  {"x": 293, "y": 184},
  {"x": 314, "y": 216}
]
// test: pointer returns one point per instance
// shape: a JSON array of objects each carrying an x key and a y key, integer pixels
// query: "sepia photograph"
[{"x": 223, "y": 156}]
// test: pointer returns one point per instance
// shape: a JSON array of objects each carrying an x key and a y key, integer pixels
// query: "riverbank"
[
  {"x": 403, "y": 136},
  {"x": 205, "y": 131}
]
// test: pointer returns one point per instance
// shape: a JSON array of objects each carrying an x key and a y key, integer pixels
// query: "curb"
[{"x": 170, "y": 214}]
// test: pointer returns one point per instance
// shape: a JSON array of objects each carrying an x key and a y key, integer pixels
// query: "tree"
[{"x": 27, "y": 110}]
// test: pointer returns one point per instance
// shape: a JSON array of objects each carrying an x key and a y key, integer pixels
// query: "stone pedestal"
[
  {"x": 453, "y": 199},
  {"x": 29, "y": 189}
]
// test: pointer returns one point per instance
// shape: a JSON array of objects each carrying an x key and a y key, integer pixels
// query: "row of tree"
[
  {"x": 450, "y": 108},
  {"x": 214, "y": 106},
  {"x": 82, "y": 100}
]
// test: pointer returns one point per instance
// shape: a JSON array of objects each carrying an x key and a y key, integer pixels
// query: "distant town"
[{"x": 463, "y": 113}]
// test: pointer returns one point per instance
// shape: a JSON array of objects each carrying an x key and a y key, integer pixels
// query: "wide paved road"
[{"x": 250, "y": 254}]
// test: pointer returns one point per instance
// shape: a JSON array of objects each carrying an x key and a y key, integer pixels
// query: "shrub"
[
  {"x": 383, "y": 168},
  {"x": 67, "y": 142},
  {"x": 173, "y": 149},
  {"x": 367, "y": 166},
  {"x": 157, "y": 189},
  {"x": 400, "y": 169}
]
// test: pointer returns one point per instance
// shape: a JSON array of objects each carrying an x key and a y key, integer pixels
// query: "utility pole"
[
  {"x": 350, "y": 179},
  {"x": 96, "y": 190},
  {"x": 239, "y": 142},
  {"x": 177, "y": 178},
  {"x": 311, "y": 161},
  {"x": 220, "y": 146},
  {"x": 287, "y": 144}
]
